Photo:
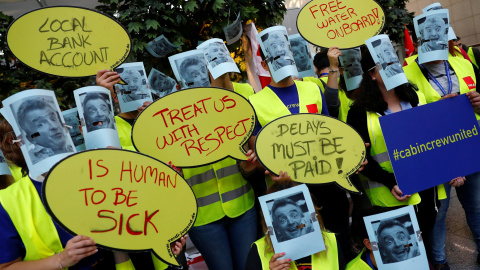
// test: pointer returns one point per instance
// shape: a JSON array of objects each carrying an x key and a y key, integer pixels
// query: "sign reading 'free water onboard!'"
[
  {"x": 342, "y": 23},
  {"x": 440, "y": 145},
  {"x": 68, "y": 41}
]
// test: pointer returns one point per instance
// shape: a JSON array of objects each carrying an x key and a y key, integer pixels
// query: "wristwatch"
[{"x": 332, "y": 70}]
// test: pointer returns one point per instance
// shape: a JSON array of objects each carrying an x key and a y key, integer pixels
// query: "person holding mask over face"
[
  {"x": 30, "y": 238},
  {"x": 300, "y": 54},
  {"x": 437, "y": 80},
  {"x": 124, "y": 121},
  {"x": 374, "y": 100},
  {"x": 216, "y": 54},
  {"x": 97, "y": 112},
  {"x": 226, "y": 222},
  {"x": 43, "y": 128},
  {"x": 393, "y": 242},
  {"x": 291, "y": 97},
  {"x": 287, "y": 215},
  {"x": 262, "y": 257},
  {"x": 433, "y": 32},
  {"x": 279, "y": 50},
  {"x": 194, "y": 72}
]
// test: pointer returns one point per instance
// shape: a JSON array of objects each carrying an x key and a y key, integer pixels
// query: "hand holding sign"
[
  {"x": 123, "y": 200},
  {"x": 195, "y": 127},
  {"x": 311, "y": 148}
]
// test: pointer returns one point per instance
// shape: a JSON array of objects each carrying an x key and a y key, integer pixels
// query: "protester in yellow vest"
[
  {"x": 226, "y": 223},
  {"x": 373, "y": 100},
  {"x": 365, "y": 260},
  {"x": 29, "y": 238},
  {"x": 440, "y": 80},
  {"x": 125, "y": 120},
  {"x": 290, "y": 97},
  {"x": 472, "y": 53},
  {"x": 262, "y": 257}
]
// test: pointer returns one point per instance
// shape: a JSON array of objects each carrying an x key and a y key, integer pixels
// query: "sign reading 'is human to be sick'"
[
  {"x": 123, "y": 199},
  {"x": 68, "y": 41},
  {"x": 342, "y": 23}
]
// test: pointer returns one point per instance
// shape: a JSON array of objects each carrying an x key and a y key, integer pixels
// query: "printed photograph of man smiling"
[
  {"x": 395, "y": 241},
  {"x": 42, "y": 127},
  {"x": 434, "y": 33},
  {"x": 290, "y": 217}
]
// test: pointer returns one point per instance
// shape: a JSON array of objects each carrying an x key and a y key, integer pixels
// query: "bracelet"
[
  {"x": 59, "y": 261},
  {"x": 332, "y": 70}
]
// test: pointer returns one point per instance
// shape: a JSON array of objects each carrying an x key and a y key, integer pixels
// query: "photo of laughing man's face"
[{"x": 434, "y": 34}]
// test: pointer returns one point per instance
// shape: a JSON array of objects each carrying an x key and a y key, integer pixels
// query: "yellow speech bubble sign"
[
  {"x": 311, "y": 148},
  {"x": 345, "y": 24},
  {"x": 194, "y": 127},
  {"x": 68, "y": 41},
  {"x": 124, "y": 200}
]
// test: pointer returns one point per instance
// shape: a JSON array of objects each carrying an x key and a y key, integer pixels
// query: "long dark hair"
[
  {"x": 369, "y": 96},
  {"x": 11, "y": 150}
]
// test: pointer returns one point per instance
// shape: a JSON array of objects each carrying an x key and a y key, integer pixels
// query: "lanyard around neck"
[{"x": 432, "y": 78}]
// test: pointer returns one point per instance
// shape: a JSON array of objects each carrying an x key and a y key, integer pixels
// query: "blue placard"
[{"x": 432, "y": 144}]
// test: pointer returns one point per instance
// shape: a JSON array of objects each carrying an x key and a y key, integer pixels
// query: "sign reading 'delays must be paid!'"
[{"x": 68, "y": 41}]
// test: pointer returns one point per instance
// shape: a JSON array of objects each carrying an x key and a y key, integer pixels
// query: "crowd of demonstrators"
[{"x": 230, "y": 231}]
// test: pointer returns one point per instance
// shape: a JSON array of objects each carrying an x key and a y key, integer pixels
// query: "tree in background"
[
  {"x": 397, "y": 17},
  {"x": 185, "y": 23}
]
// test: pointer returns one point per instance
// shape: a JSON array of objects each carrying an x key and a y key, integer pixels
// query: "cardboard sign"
[
  {"x": 396, "y": 240},
  {"x": 195, "y": 127},
  {"x": 68, "y": 41},
  {"x": 123, "y": 200},
  {"x": 311, "y": 148},
  {"x": 421, "y": 150},
  {"x": 345, "y": 24}
]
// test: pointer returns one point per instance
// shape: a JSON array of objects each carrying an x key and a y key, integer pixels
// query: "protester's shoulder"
[{"x": 244, "y": 89}]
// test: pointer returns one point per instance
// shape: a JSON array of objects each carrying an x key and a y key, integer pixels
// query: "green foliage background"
[{"x": 183, "y": 22}]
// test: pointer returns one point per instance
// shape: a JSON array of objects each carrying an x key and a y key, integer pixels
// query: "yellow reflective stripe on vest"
[
  {"x": 381, "y": 157},
  {"x": 220, "y": 190},
  {"x": 227, "y": 171},
  {"x": 378, "y": 193},
  {"x": 201, "y": 178},
  {"x": 213, "y": 198},
  {"x": 325, "y": 260},
  {"x": 269, "y": 107},
  {"x": 35, "y": 227},
  {"x": 207, "y": 200},
  {"x": 236, "y": 193}
]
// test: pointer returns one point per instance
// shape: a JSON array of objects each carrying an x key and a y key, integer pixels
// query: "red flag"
[{"x": 407, "y": 40}]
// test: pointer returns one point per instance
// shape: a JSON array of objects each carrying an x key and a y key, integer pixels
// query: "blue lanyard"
[
  {"x": 432, "y": 78},
  {"x": 369, "y": 261},
  {"x": 324, "y": 74}
]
